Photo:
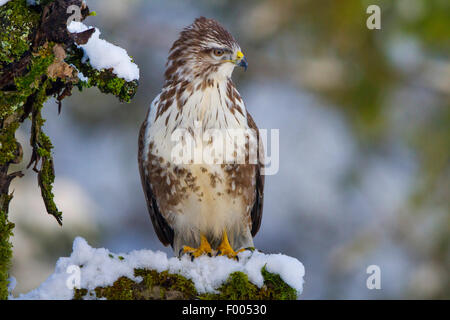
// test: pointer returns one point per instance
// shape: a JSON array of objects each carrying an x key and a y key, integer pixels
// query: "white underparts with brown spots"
[
  {"x": 200, "y": 198},
  {"x": 221, "y": 189}
]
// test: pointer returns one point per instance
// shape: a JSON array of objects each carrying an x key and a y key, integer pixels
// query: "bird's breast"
[{"x": 196, "y": 160}]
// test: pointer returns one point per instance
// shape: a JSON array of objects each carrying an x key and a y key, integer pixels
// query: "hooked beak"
[{"x": 241, "y": 60}]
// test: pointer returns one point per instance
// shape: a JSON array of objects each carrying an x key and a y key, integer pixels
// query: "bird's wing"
[
  {"x": 257, "y": 209},
  {"x": 162, "y": 228}
]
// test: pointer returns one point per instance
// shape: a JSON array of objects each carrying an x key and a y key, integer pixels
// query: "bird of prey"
[{"x": 212, "y": 207}]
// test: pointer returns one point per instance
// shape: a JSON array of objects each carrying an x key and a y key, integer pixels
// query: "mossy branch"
[
  {"x": 168, "y": 286},
  {"x": 39, "y": 59}
]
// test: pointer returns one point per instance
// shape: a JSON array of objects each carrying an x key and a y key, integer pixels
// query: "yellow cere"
[{"x": 240, "y": 55}]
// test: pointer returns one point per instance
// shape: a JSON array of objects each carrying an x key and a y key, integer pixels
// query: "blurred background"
[{"x": 364, "y": 119}]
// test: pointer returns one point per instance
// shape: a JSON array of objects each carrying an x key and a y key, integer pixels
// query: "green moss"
[
  {"x": 276, "y": 287},
  {"x": 38, "y": 67},
  {"x": 28, "y": 84},
  {"x": 8, "y": 144},
  {"x": 46, "y": 177},
  {"x": 167, "y": 286},
  {"x": 17, "y": 22},
  {"x": 153, "y": 286},
  {"x": 79, "y": 294},
  {"x": 122, "y": 289},
  {"x": 42, "y": 151},
  {"x": 167, "y": 282},
  {"x": 6, "y": 228},
  {"x": 237, "y": 287}
]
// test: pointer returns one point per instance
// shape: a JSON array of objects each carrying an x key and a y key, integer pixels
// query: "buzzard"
[{"x": 202, "y": 207}]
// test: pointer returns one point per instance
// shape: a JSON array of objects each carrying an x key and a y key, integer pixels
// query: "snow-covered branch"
[{"x": 91, "y": 273}]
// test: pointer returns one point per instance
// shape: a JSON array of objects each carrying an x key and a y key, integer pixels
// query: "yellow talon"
[
  {"x": 204, "y": 248},
  {"x": 225, "y": 249}
]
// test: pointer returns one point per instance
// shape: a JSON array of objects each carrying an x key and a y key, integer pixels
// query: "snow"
[
  {"x": 105, "y": 55},
  {"x": 101, "y": 268},
  {"x": 2, "y": 2},
  {"x": 82, "y": 77}
]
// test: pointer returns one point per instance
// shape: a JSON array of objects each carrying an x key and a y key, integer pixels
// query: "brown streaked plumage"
[{"x": 199, "y": 208}]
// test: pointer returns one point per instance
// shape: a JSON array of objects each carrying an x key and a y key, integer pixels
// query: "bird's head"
[{"x": 205, "y": 50}]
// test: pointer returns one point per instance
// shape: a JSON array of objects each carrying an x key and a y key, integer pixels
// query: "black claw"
[
  {"x": 218, "y": 252},
  {"x": 237, "y": 258},
  {"x": 192, "y": 257},
  {"x": 179, "y": 252},
  {"x": 209, "y": 254}
]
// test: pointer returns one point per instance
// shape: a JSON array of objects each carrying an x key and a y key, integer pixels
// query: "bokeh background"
[{"x": 364, "y": 119}]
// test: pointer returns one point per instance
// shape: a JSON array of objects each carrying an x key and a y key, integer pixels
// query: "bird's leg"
[
  {"x": 204, "y": 248},
  {"x": 225, "y": 249}
]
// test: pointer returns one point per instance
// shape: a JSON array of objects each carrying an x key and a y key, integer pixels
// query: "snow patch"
[
  {"x": 82, "y": 77},
  {"x": 105, "y": 55},
  {"x": 102, "y": 268}
]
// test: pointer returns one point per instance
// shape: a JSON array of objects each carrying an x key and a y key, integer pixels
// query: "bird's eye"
[{"x": 218, "y": 52}]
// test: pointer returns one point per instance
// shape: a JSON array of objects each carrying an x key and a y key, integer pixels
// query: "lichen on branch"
[
  {"x": 6, "y": 228},
  {"x": 39, "y": 59},
  {"x": 169, "y": 286}
]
